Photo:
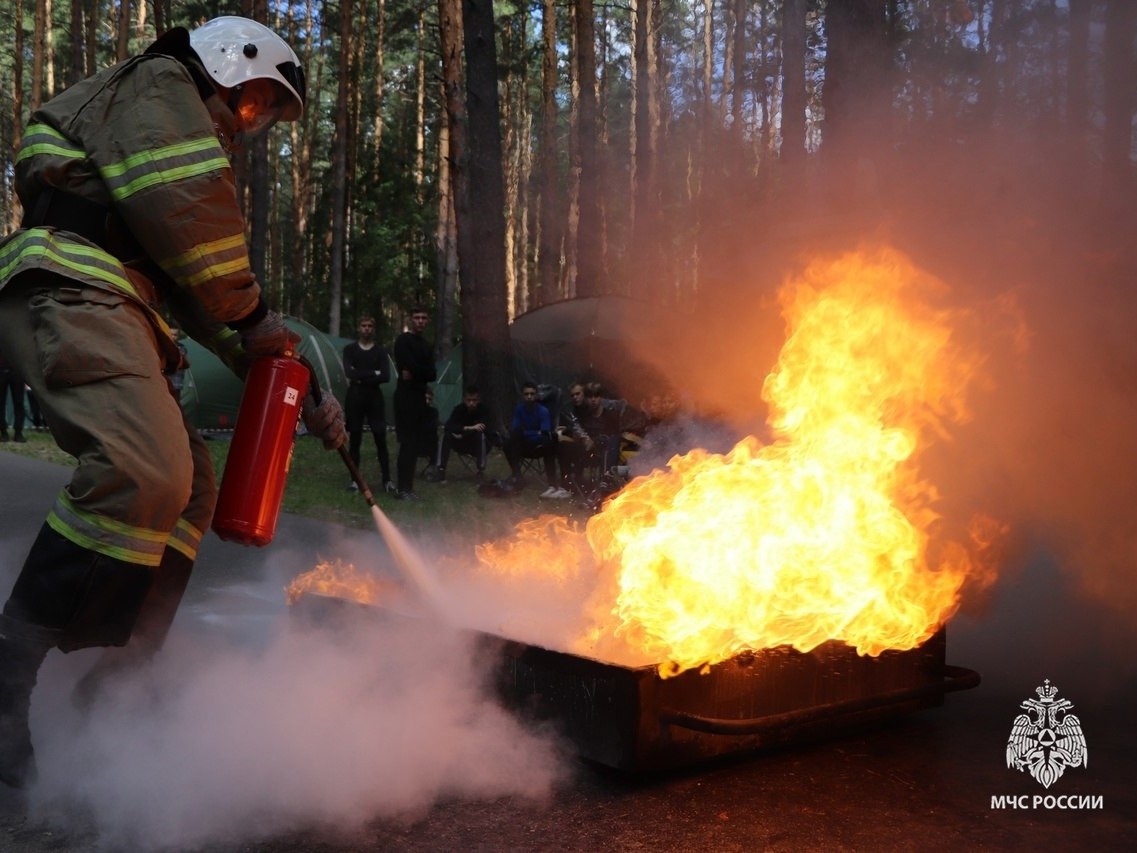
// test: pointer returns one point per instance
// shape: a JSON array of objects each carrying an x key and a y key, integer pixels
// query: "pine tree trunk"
[
  {"x": 589, "y": 267},
  {"x": 75, "y": 54},
  {"x": 340, "y": 144},
  {"x": 455, "y": 257},
  {"x": 91, "y": 19},
  {"x": 377, "y": 122},
  {"x": 548, "y": 219},
  {"x": 793, "y": 104},
  {"x": 485, "y": 348},
  {"x": 303, "y": 141},
  {"x": 446, "y": 245},
  {"x": 420, "y": 106},
  {"x": 258, "y": 185},
  {"x": 48, "y": 52},
  {"x": 642, "y": 273},
  {"x": 122, "y": 31},
  {"x": 39, "y": 27}
]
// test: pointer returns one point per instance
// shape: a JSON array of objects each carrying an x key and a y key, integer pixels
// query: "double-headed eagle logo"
[{"x": 1046, "y": 740}]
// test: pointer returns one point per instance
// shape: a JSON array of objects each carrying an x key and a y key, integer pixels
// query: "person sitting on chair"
[
  {"x": 531, "y": 436},
  {"x": 467, "y": 433},
  {"x": 597, "y": 425}
]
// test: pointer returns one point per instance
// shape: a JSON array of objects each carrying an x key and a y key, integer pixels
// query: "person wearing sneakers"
[
  {"x": 531, "y": 436},
  {"x": 367, "y": 368},
  {"x": 414, "y": 370}
]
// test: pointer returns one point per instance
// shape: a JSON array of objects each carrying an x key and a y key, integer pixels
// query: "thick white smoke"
[{"x": 226, "y": 740}]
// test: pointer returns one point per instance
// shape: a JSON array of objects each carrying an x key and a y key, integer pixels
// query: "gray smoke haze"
[{"x": 245, "y": 731}]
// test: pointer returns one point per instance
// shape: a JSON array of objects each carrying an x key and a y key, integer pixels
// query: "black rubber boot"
[
  {"x": 69, "y": 597},
  {"x": 22, "y": 651}
]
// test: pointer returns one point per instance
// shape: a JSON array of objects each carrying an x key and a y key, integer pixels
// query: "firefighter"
[{"x": 130, "y": 204}]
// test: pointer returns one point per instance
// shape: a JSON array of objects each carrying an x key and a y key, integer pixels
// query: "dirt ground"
[{"x": 932, "y": 780}]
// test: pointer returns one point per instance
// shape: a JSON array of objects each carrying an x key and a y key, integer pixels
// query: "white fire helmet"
[{"x": 237, "y": 50}]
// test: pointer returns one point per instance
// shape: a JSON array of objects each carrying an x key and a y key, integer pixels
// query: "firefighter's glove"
[
  {"x": 268, "y": 336},
  {"x": 325, "y": 420}
]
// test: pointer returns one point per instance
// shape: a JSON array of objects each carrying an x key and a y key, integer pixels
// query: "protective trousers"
[{"x": 140, "y": 498}]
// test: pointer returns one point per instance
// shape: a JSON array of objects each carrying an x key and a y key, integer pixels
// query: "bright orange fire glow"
[
  {"x": 341, "y": 580},
  {"x": 828, "y": 532}
]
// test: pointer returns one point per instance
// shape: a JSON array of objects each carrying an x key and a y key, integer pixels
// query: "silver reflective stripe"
[
  {"x": 44, "y": 139},
  {"x": 35, "y": 245},
  {"x": 185, "y": 539},
  {"x": 167, "y": 164},
  {"x": 209, "y": 261},
  {"x": 104, "y": 535}
]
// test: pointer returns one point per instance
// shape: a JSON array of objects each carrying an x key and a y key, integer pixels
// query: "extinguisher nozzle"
[{"x": 356, "y": 477}]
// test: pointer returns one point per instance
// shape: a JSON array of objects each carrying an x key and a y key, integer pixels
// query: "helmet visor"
[{"x": 260, "y": 103}]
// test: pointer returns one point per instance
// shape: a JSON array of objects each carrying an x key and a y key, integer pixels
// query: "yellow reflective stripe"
[
  {"x": 214, "y": 271},
  {"x": 105, "y": 535},
  {"x": 207, "y": 261},
  {"x": 164, "y": 165},
  {"x": 42, "y": 243},
  {"x": 32, "y": 150},
  {"x": 185, "y": 539},
  {"x": 54, "y": 143}
]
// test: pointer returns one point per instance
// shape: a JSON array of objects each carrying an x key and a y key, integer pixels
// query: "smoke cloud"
[{"x": 328, "y": 723}]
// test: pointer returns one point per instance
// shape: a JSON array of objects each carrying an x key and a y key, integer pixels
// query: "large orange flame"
[{"x": 828, "y": 532}]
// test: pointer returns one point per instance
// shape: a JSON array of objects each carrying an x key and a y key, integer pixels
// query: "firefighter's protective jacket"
[
  {"x": 137, "y": 141},
  {"x": 126, "y": 190}
]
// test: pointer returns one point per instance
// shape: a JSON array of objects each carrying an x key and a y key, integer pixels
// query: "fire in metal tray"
[{"x": 827, "y": 532}]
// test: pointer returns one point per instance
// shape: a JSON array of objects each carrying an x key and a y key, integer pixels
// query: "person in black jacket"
[
  {"x": 367, "y": 367},
  {"x": 468, "y": 432},
  {"x": 414, "y": 367}
]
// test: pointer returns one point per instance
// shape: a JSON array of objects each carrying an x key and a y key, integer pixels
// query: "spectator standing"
[
  {"x": 414, "y": 367},
  {"x": 467, "y": 432},
  {"x": 531, "y": 436},
  {"x": 367, "y": 368},
  {"x": 11, "y": 383}
]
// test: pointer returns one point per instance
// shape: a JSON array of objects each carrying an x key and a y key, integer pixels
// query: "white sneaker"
[
  {"x": 560, "y": 494},
  {"x": 549, "y": 492}
]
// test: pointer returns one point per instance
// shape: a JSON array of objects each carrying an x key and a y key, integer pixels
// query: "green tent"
[
  {"x": 593, "y": 338},
  {"x": 211, "y": 394}
]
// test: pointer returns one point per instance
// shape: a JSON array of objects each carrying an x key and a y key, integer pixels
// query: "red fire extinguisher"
[{"x": 260, "y": 454}]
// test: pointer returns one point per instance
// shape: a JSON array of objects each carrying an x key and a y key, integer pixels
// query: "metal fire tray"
[{"x": 629, "y": 718}]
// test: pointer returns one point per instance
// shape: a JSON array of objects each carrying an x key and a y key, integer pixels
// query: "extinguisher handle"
[{"x": 317, "y": 395}]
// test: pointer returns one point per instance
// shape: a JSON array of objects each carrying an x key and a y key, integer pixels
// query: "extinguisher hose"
[{"x": 352, "y": 468}]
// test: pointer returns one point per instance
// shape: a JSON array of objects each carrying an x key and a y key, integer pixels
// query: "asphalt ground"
[{"x": 250, "y": 735}]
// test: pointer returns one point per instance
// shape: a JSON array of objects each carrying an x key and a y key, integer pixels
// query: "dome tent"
[
  {"x": 211, "y": 393},
  {"x": 592, "y": 338}
]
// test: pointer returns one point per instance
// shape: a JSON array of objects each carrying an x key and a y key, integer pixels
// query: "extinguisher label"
[{"x": 291, "y": 396}]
